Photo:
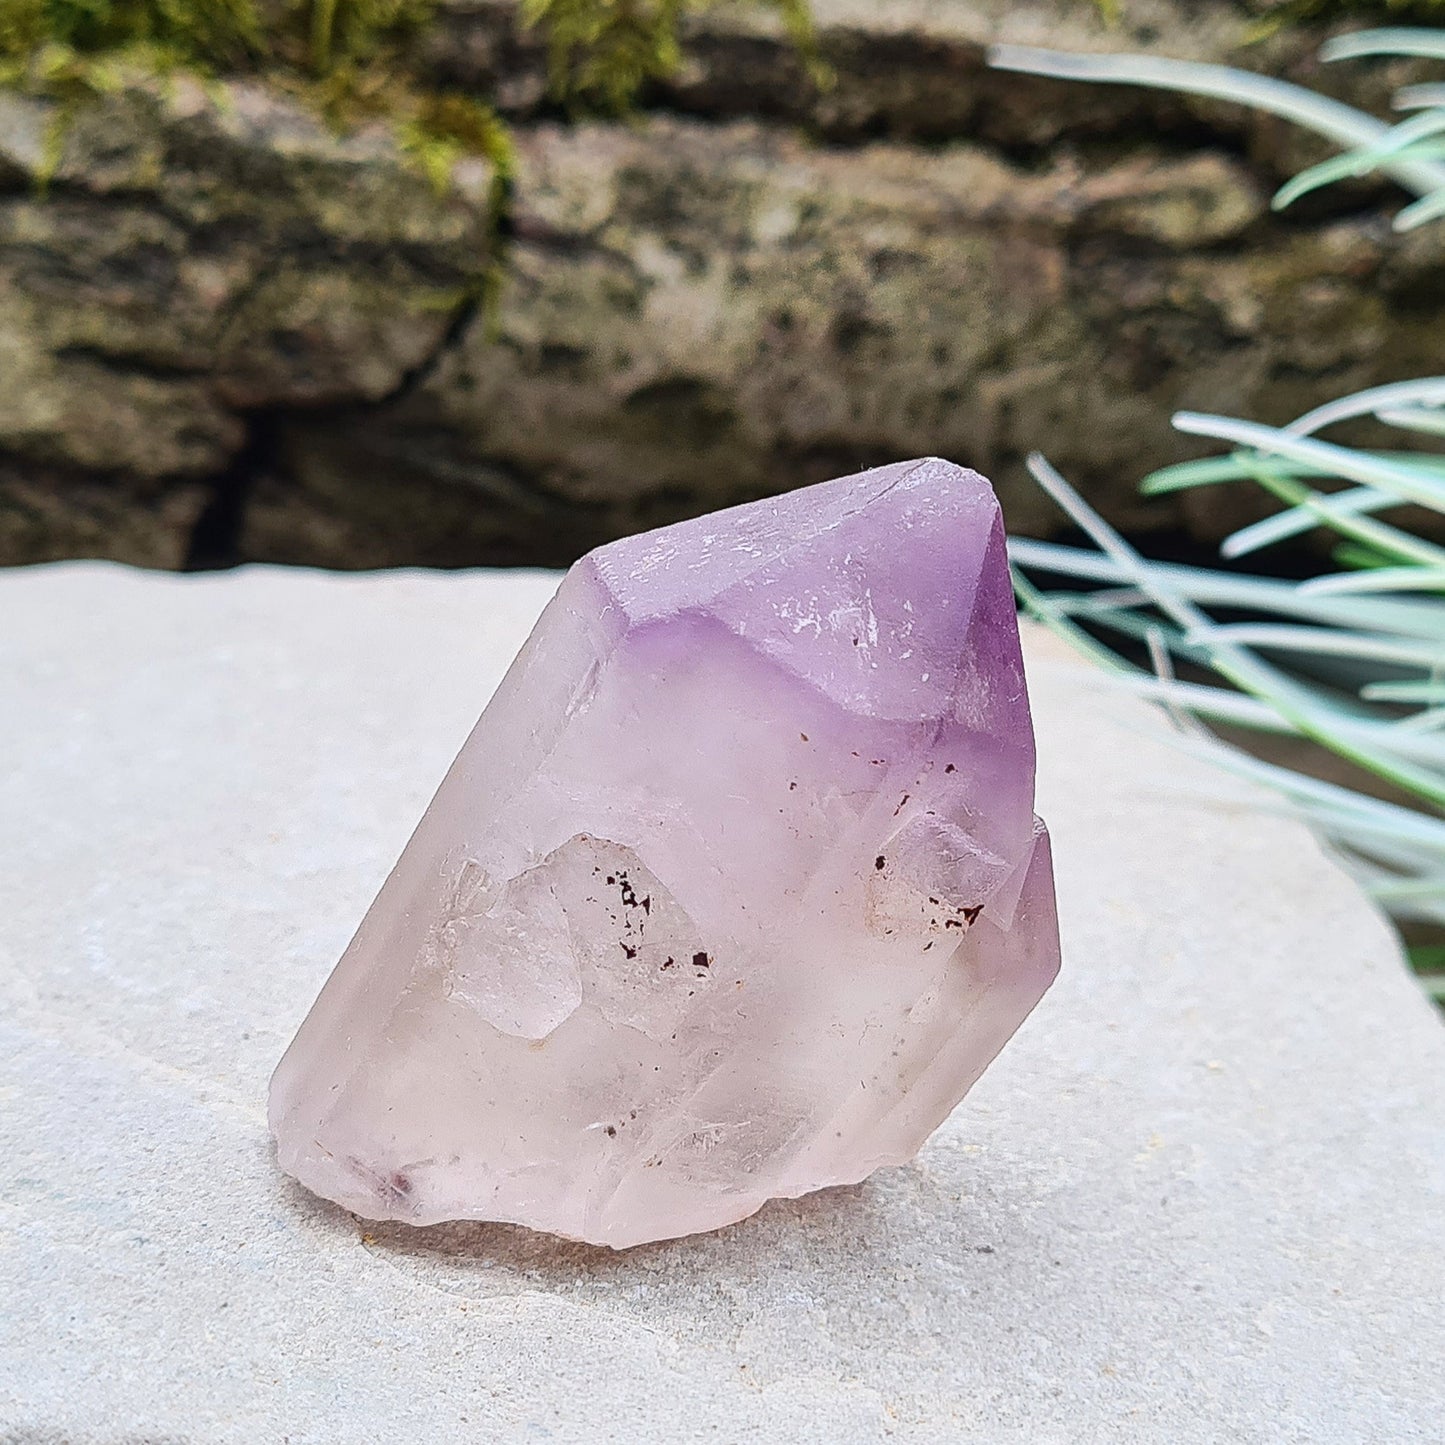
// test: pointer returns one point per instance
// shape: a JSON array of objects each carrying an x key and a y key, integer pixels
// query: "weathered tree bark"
[{"x": 229, "y": 334}]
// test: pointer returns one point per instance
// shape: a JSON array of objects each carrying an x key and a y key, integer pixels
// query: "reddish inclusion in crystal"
[{"x": 733, "y": 892}]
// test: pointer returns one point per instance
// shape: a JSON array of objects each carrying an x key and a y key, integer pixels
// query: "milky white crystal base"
[{"x": 733, "y": 892}]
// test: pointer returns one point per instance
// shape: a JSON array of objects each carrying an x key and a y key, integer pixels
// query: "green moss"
[
  {"x": 343, "y": 56},
  {"x": 51, "y": 42},
  {"x": 318, "y": 37},
  {"x": 208, "y": 32},
  {"x": 347, "y": 59},
  {"x": 601, "y": 53}
]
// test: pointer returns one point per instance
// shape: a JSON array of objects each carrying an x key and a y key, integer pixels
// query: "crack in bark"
[
  {"x": 131, "y": 363},
  {"x": 217, "y": 539},
  {"x": 453, "y": 334}
]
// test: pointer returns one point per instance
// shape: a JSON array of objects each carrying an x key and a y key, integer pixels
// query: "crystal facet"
[{"x": 732, "y": 893}]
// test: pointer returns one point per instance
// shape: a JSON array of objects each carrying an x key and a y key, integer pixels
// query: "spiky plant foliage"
[
  {"x": 1410, "y": 151},
  {"x": 1352, "y": 660},
  {"x": 1275, "y": 14}
]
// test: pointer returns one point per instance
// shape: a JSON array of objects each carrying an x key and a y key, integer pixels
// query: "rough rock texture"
[
  {"x": 200, "y": 266},
  {"x": 228, "y": 334},
  {"x": 732, "y": 893},
  {"x": 1197, "y": 1199}
]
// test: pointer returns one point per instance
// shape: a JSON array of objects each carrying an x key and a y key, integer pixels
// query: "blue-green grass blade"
[
  {"x": 1387, "y": 40},
  {"x": 1343, "y": 124}
]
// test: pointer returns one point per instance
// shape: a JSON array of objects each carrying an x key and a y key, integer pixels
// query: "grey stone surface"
[{"x": 1197, "y": 1199}]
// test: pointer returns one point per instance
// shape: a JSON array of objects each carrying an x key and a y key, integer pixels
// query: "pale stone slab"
[{"x": 1197, "y": 1199}]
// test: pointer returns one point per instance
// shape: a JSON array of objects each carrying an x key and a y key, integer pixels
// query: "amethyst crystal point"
[{"x": 732, "y": 893}]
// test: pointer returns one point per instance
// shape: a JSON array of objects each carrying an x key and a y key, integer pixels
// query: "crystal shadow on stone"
[{"x": 919, "y": 1221}]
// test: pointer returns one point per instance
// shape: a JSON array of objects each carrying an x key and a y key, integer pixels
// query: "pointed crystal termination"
[{"x": 732, "y": 893}]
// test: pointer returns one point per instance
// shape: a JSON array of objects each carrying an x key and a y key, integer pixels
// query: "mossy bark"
[{"x": 231, "y": 334}]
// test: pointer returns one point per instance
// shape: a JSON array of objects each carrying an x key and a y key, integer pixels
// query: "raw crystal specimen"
[{"x": 732, "y": 893}]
